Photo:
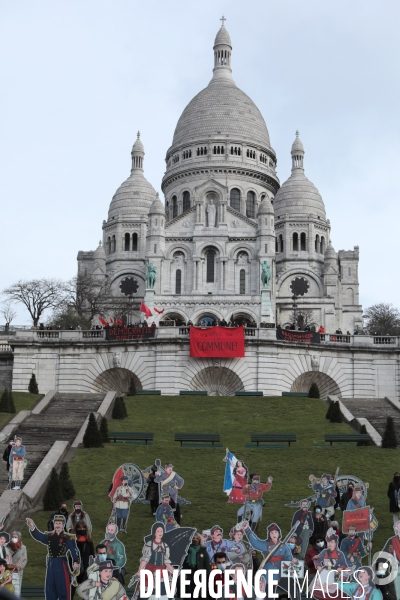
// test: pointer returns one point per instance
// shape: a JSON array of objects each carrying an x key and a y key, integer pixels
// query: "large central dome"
[{"x": 222, "y": 109}]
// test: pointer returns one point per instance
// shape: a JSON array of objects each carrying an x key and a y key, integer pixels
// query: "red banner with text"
[
  {"x": 217, "y": 342},
  {"x": 358, "y": 518}
]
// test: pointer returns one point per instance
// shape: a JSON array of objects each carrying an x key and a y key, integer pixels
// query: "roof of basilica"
[{"x": 221, "y": 109}]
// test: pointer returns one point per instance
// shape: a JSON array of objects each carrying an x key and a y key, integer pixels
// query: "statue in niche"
[
  {"x": 265, "y": 274},
  {"x": 211, "y": 213}
]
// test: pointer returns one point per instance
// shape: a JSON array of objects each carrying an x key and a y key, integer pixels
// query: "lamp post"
[{"x": 294, "y": 306}]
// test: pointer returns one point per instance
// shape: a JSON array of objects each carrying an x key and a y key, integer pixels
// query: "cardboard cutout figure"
[
  {"x": 238, "y": 550},
  {"x": 60, "y": 544},
  {"x": 17, "y": 463},
  {"x": 392, "y": 546},
  {"x": 146, "y": 492},
  {"x": 353, "y": 548},
  {"x": 274, "y": 549},
  {"x": 331, "y": 558},
  {"x": 214, "y": 542},
  {"x": 235, "y": 480},
  {"x": 357, "y": 500},
  {"x": 165, "y": 514},
  {"x": 163, "y": 551},
  {"x": 365, "y": 589},
  {"x": 126, "y": 487},
  {"x": 326, "y": 493},
  {"x": 4, "y": 549},
  {"x": 115, "y": 548},
  {"x": 305, "y": 529},
  {"x": 234, "y": 589},
  {"x": 109, "y": 588},
  {"x": 253, "y": 493}
]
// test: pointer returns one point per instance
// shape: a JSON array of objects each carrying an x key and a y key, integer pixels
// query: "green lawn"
[
  {"x": 23, "y": 401},
  {"x": 203, "y": 469}
]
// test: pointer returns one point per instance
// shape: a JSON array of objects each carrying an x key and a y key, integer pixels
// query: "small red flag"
[
  {"x": 160, "y": 312},
  {"x": 103, "y": 322},
  {"x": 145, "y": 309}
]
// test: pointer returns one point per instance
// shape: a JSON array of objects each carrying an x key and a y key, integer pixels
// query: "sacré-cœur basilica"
[{"x": 228, "y": 242}]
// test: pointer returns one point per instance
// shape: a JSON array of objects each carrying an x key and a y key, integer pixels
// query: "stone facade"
[{"x": 225, "y": 215}]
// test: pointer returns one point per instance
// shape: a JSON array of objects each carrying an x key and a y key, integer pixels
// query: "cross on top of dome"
[{"x": 223, "y": 19}]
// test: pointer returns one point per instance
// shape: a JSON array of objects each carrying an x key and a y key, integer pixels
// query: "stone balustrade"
[{"x": 175, "y": 332}]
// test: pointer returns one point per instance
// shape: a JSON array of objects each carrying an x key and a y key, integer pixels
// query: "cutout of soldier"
[
  {"x": 170, "y": 483},
  {"x": 365, "y": 589},
  {"x": 165, "y": 514},
  {"x": 122, "y": 498},
  {"x": 272, "y": 548},
  {"x": 353, "y": 548},
  {"x": 326, "y": 493},
  {"x": 331, "y": 558},
  {"x": 357, "y": 500},
  {"x": 104, "y": 587},
  {"x": 238, "y": 551},
  {"x": 115, "y": 548},
  {"x": 253, "y": 492},
  {"x": 305, "y": 529},
  {"x": 17, "y": 462},
  {"x": 216, "y": 543},
  {"x": 59, "y": 544},
  {"x": 78, "y": 515},
  {"x": 392, "y": 546}
]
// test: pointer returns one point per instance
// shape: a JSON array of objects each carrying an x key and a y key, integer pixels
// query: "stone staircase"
[
  {"x": 61, "y": 420},
  {"x": 376, "y": 410}
]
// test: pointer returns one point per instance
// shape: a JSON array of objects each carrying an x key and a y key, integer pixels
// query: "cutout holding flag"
[
  {"x": 235, "y": 479},
  {"x": 146, "y": 310}
]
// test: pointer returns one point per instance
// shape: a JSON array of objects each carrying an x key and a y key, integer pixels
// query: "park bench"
[
  {"x": 148, "y": 392},
  {"x": 32, "y": 591},
  {"x": 265, "y": 440},
  {"x": 131, "y": 437},
  {"x": 199, "y": 440},
  {"x": 343, "y": 438},
  {"x": 249, "y": 393},
  {"x": 301, "y": 394},
  {"x": 193, "y": 393}
]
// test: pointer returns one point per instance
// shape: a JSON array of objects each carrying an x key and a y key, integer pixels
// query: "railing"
[
  {"x": 385, "y": 340},
  {"x": 338, "y": 337},
  {"x": 266, "y": 334}
]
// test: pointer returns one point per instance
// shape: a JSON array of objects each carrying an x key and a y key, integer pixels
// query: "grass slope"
[
  {"x": 203, "y": 469},
  {"x": 23, "y": 401}
]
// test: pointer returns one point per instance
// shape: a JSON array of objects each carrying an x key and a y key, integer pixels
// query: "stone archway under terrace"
[
  {"x": 116, "y": 379},
  {"x": 326, "y": 385},
  {"x": 217, "y": 381}
]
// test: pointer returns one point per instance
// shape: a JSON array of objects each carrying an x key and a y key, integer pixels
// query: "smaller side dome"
[
  {"x": 157, "y": 208},
  {"x": 265, "y": 207},
  {"x": 138, "y": 145},
  {"x": 99, "y": 253},
  {"x": 330, "y": 253},
  {"x": 297, "y": 145}
]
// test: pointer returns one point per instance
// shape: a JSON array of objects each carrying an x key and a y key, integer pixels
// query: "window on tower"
[
  {"x": 174, "y": 207},
  {"x": 242, "y": 281},
  {"x": 178, "y": 281},
  {"x": 302, "y": 241},
  {"x": 251, "y": 205},
  {"x": 295, "y": 242},
  {"x": 134, "y": 242},
  {"x": 210, "y": 266},
  {"x": 113, "y": 244},
  {"x": 235, "y": 199},
  {"x": 127, "y": 242},
  {"x": 186, "y": 201}
]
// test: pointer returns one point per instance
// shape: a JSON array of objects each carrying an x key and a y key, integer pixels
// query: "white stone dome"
[
  {"x": 223, "y": 37},
  {"x": 265, "y": 207},
  {"x": 298, "y": 196},
  {"x": 135, "y": 196},
  {"x": 219, "y": 110},
  {"x": 330, "y": 253},
  {"x": 157, "y": 208}
]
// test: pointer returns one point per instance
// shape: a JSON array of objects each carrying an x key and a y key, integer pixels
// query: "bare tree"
[
  {"x": 306, "y": 313},
  {"x": 8, "y": 312},
  {"x": 382, "y": 319},
  {"x": 37, "y": 295}
]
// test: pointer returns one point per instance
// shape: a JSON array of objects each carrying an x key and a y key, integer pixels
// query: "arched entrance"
[
  {"x": 242, "y": 318},
  {"x": 116, "y": 380},
  {"x": 206, "y": 320},
  {"x": 217, "y": 381},
  {"x": 326, "y": 385}
]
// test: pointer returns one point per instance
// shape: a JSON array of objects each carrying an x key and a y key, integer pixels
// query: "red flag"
[
  {"x": 160, "y": 312},
  {"x": 118, "y": 322},
  {"x": 103, "y": 321},
  {"x": 116, "y": 481},
  {"x": 145, "y": 309},
  {"x": 111, "y": 319}
]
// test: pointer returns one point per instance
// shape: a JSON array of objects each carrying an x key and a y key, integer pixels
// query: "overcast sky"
[{"x": 79, "y": 78}]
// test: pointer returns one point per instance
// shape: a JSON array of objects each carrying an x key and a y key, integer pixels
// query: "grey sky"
[{"x": 79, "y": 78}]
